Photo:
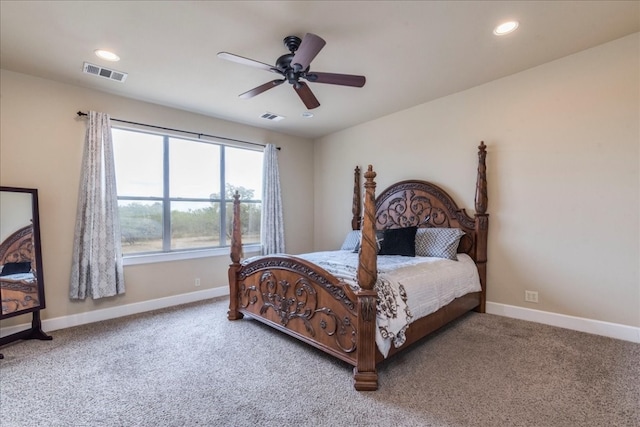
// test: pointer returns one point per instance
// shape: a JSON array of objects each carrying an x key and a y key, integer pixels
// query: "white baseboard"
[
  {"x": 597, "y": 327},
  {"x": 63, "y": 322}
]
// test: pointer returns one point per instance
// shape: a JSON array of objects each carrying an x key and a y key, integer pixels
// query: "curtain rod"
[{"x": 80, "y": 114}]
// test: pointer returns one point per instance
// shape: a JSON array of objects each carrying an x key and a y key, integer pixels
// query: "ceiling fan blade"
[
  {"x": 262, "y": 88},
  {"x": 336, "y": 79},
  {"x": 309, "y": 48},
  {"x": 305, "y": 94},
  {"x": 246, "y": 61}
]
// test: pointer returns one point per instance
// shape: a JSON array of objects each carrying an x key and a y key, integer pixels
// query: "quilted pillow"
[
  {"x": 399, "y": 241},
  {"x": 352, "y": 241},
  {"x": 438, "y": 242}
]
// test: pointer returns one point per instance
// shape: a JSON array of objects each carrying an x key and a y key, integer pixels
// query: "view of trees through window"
[{"x": 170, "y": 192}]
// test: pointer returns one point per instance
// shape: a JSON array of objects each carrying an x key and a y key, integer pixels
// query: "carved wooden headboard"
[
  {"x": 423, "y": 204},
  {"x": 18, "y": 247}
]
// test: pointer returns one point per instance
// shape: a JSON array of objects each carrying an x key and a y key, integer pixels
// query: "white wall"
[
  {"x": 41, "y": 143},
  {"x": 563, "y": 177}
]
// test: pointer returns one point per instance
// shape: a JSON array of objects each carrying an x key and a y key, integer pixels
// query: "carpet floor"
[{"x": 190, "y": 366}]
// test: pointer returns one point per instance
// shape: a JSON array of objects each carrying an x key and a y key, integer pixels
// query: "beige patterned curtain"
[
  {"x": 271, "y": 227},
  {"x": 96, "y": 269}
]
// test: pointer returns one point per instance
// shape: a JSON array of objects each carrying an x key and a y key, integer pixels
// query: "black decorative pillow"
[
  {"x": 15, "y": 268},
  {"x": 399, "y": 241},
  {"x": 438, "y": 242}
]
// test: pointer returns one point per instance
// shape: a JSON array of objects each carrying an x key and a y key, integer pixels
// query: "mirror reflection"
[{"x": 20, "y": 284}]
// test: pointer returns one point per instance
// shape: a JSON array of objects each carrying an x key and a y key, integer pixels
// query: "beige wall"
[
  {"x": 563, "y": 174},
  {"x": 563, "y": 166},
  {"x": 16, "y": 211},
  {"x": 41, "y": 145}
]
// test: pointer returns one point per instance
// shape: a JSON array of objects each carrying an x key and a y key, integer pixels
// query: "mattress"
[{"x": 409, "y": 288}]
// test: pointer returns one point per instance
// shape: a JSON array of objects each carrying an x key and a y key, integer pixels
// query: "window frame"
[{"x": 168, "y": 254}]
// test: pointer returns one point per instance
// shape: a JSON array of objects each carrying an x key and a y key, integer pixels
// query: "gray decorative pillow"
[
  {"x": 379, "y": 239},
  {"x": 438, "y": 242},
  {"x": 352, "y": 241}
]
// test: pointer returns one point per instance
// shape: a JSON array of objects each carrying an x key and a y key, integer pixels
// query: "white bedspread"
[
  {"x": 408, "y": 287},
  {"x": 26, "y": 277}
]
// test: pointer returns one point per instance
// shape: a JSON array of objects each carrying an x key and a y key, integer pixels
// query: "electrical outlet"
[
  {"x": 197, "y": 281},
  {"x": 531, "y": 296}
]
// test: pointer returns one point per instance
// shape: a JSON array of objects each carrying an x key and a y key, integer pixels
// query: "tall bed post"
[
  {"x": 365, "y": 374},
  {"x": 236, "y": 255},
  {"x": 356, "y": 208},
  {"x": 482, "y": 223}
]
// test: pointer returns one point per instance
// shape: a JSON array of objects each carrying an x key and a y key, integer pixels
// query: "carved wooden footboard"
[
  {"x": 305, "y": 301},
  {"x": 300, "y": 299}
]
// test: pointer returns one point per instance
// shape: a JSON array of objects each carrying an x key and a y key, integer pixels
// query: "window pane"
[
  {"x": 138, "y": 159},
  {"x": 194, "y": 169},
  {"x": 195, "y": 225},
  {"x": 196, "y": 174},
  {"x": 141, "y": 225},
  {"x": 243, "y": 172},
  {"x": 250, "y": 216}
]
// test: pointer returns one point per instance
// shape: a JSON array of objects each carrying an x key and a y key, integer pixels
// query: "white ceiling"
[{"x": 410, "y": 52}]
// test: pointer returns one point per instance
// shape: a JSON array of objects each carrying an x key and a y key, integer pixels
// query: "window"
[{"x": 176, "y": 194}]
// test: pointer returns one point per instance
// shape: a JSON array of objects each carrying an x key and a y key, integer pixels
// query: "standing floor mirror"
[{"x": 21, "y": 278}]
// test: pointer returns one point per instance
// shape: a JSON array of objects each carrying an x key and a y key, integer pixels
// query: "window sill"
[{"x": 249, "y": 250}]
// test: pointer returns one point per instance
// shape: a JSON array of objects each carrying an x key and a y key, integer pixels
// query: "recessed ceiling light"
[
  {"x": 106, "y": 55},
  {"x": 307, "y": 114},
  {"x": 505, "y": 28}
]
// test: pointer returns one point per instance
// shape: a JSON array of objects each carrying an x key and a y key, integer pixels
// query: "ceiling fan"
[{"x": 294, "y": 66}]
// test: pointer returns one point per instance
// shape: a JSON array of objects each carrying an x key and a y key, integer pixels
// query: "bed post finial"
[
  {"x": 367, "y": 269},
  {"x": 236, "y": 234},
  {"x": 481, "y": 182},
  {"x": 356, "y": 208}
]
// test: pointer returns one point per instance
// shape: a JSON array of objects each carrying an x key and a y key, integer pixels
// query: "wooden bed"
[{"x": 305, "y": 301}]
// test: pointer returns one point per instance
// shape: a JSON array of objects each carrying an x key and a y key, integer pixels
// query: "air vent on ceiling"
[
  {"x": 96, "y": 70},
  {"x": 272, "y": 117}
]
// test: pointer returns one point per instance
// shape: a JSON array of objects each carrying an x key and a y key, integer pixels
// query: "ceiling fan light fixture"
[
  {"x": 307, "y": 114},
  {"x": 106, "y": 55},
  {"x": 506, "y": 28}
]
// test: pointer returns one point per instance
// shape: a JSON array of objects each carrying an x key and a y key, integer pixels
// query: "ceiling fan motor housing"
[{"x": 284, "y": 64}]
